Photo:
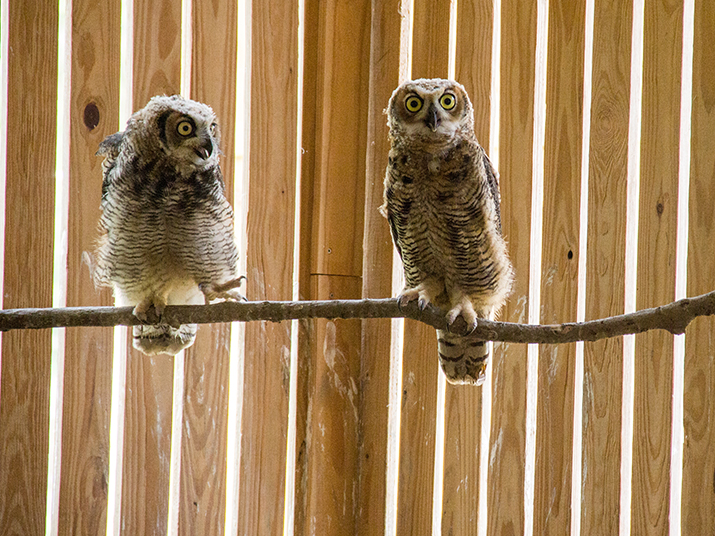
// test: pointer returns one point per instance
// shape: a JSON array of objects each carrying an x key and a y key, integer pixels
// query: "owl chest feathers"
[
  {"x": 164, "y": 225},
  {"x": 443, "y": 216}
]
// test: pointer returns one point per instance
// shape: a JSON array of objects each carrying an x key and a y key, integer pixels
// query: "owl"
[
  {"x": 442, "y": 199},
  {"x": 166, "y": 226}
]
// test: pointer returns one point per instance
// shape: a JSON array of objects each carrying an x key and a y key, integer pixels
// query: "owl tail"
[
  {"x": 163, "y": 339},
  {"x": 463, "y": 359}
]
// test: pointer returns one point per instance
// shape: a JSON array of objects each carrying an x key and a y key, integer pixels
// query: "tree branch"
[{"x": 673, "y": 317}]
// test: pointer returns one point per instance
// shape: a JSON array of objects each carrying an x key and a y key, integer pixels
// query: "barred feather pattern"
[
  {"x": 442, "y": 203},
  {"x": 167, "y": 227}
]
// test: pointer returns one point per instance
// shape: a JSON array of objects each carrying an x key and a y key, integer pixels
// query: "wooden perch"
[{"x": 673, "y": 317}]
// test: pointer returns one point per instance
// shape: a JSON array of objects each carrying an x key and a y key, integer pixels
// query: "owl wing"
[
  {"x": 386, "y": 211},
  {"x": 393, "y": 231},
  {"x": 109, "y": 149},
  {"x": 493, "y": 183}
]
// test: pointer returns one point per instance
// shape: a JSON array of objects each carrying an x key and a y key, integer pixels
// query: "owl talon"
[
  {"x": 464, "y": 309},
  {"x": 142, "y": 309},
  {"x": 227, "y": 291},
  {"x": 141, "y": 315},
  {"x": 406, "y": 296}
]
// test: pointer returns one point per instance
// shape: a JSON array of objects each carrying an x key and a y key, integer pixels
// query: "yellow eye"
[
  {"x": 185, "y": 128},
  {"x": 448, "y": 101},
  {"x": 413, "y": 104}
]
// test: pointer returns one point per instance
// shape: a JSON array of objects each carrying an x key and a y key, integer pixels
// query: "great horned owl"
[
  {"x": 442, "y": 202},
  {"x": 167, "y": 227}
]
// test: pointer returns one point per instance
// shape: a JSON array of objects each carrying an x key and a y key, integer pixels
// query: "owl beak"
[
  {"x": 432, "y": 120},
  {"x": 205, "y": 149}
]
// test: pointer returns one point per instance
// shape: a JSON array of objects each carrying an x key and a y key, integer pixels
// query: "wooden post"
[
  {"x": 94, "y": 108},
  {"x": 698, "y": 495},
  {"x": 657, "y": 234},
  {"x": 605, "y": 279},
  {"x": 271, "y": 217},
  {"x": 507, "y": 441},
  {"x": 329, "y": 390},
  {"x": 29, "y": 222},
  {"x": 149, "y": 381},
  {"x": 559, "y": 264}
]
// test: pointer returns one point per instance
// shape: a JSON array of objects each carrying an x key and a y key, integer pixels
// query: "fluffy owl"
[
  {"x": 167, "y": 227},
  {"x": 442, "y": 203}
]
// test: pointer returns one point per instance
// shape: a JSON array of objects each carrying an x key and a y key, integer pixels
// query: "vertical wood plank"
[
  {"x": 508, "y": 428},
  {"x": 473, "y": 66},
  {"x": 331, "y": 473},
  {"x": 88, "y": 351},
  {"x": 657, "y": 232},
  {"x": 341, "y": 37},
  {"x": 272, "y": 193},
  {"x": 377, "y": 273},
  {"x": 463, "y": 412},
  {"x": 341, "y": 110},
  {"x": 698, "y": 503},
  {"x": 204, "y": 434},
  {"x": 605, "y": 284},
  {"x": 420, "y": 365},
  {"x": 559, "y": 268},
  {"x": 148, "y": 412},
  {"x": 29, "y": 221},
  {"x": 157, "y": 50},
  {"x": 306, "y": 332},
  {"x": 430, "y": 39}
]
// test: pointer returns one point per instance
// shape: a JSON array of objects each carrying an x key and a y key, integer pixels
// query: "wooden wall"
[{"x": 600, "y": 117}]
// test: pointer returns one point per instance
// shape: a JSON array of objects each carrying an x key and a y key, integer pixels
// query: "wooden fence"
[{"x": 600, "y": 116}]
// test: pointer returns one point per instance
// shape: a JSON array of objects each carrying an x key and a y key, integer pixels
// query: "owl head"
[
  {"x": 185, "y": 130},
  {"x": 433, "y": 110}
]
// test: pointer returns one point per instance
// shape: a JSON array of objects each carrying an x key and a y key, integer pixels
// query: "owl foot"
[
  {"x": 425, "y": 293},
  {"x": 406, "y": 296},
  {"x": 148, "y": 303},
  {"x": 466, "y": 310},
  {"x": 226, "y": 291}
]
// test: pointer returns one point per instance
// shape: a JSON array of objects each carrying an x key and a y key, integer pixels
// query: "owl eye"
[
  {"x": 185, "y": 128},
  {"x": 413, "y": 104},
  {"x": 448, "y": 101}
]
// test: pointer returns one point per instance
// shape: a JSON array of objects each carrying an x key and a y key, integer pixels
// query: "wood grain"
[
  {"x": 698, "y": 494},
  {"x": 418, "y": 413},
  {"x": 29, "y": 222},
  {"x": 508, "y": 426},
  {"x": 272, "y": 195},
  {"x": 430, "y": 39},
  {"x": 559, "y": 264},
  {"x": 147, "y": 444},
  {"x": 473, "y": 62},
  {"x": 329, "y": 473},
  {"x": 463, "y": 412},
  {"x": 94, "y": 104},
  {"x": 376, "y": 273},
  {"x": 420, "y": 368},
  {"x": 149, "y": 382},
  {"x": 605, "y": 279},
  {"x": 657, "y": 232},
  {"x": 306, "y": 332},
  {"x": 341, "y": 114},
  {"x": 206, "y": 376},
  {"x": 332, "y": 442},
  {"x": 157, "y": 50}
]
